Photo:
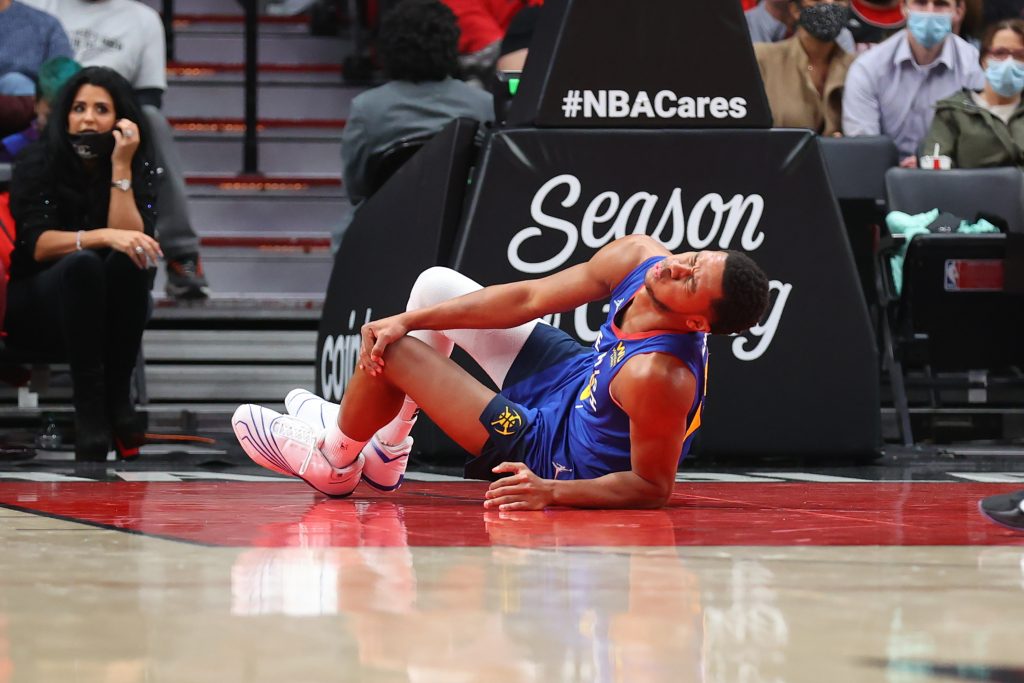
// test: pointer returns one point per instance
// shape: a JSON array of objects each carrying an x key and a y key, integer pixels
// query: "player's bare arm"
[
  {"x": 507, "y": 305},
  {"x": 650, "y": 389}
]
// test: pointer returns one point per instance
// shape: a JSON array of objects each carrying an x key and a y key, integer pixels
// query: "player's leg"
[
  {"x": 493, "y": 350},
  {"x": 450, "y": 395},
  {"x": 334, "y": 463},
  {"x": 387, "y": 452}
]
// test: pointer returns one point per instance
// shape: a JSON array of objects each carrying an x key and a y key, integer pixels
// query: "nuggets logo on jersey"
[
  {"x": 618, "y": 353},
  {"x": 507, "y": 422}
]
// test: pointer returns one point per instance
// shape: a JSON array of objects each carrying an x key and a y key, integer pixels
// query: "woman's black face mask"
[
  {"x": 91, "y": 146},
  {"x": 824, "y": 21}
]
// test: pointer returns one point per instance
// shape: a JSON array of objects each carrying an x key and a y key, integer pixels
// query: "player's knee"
[
  {"x": 400, "y": 353},
  {"x": 437, "y": 284}
]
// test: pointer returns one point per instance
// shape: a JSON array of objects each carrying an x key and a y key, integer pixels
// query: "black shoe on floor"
[
  {"x": 185, "y": 279},
  {"x": 1004, "y": 509}
]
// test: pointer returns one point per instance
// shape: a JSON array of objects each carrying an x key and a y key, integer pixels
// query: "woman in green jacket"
[{"x": 984, "y": 129}]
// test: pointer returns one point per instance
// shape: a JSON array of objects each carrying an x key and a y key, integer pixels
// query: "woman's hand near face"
[{"x": 126, "y": 141}]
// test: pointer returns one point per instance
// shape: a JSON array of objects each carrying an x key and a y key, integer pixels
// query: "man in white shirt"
[
  {"x": 892, "y": 89},
  {"x": 125, "y": 35},
  {"x": 128, "y": 37}
]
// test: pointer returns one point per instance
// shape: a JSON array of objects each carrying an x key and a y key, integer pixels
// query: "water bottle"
[{"x": 50, "y": 439}]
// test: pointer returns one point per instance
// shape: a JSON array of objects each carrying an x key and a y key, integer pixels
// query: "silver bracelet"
[{"x": 78, "y": 240}]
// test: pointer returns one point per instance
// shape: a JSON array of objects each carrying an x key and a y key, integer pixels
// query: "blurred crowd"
[{"x": 942, "y": 78}]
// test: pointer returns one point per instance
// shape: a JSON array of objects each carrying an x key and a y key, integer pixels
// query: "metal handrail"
[
  {"x": 168, "y": 17},
  {"x": 250, "y": 147}
]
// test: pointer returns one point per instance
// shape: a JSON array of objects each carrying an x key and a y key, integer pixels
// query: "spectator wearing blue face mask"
[
  {"x": 986, "y": 128},
  {"x": 892, "y": 89}
]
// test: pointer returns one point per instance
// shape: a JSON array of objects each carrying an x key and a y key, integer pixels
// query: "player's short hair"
[
  {"x": 744, "y": 295},
  {"x": 419, "y": 41}
]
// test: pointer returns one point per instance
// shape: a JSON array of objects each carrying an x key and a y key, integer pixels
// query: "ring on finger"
[{"x": 140, "y": 250}]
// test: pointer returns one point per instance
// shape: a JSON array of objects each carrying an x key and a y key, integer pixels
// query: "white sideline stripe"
[
  {"x": 146, "y": 476},
  {"x": 820, "y": 478},
  {"x": 429, "y": 476},
  {"x": 41, "y": 476},
  {"x": 722, "y": 478},
  {"x": 991, "y": 477}
]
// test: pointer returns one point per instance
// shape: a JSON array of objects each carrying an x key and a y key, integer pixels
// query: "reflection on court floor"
[{"x": 741, "y": 583}]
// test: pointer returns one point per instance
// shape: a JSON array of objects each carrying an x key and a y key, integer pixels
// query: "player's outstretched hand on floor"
[
  {"x": 376, "y": 337},
  {"x": 523, "y": 490}
]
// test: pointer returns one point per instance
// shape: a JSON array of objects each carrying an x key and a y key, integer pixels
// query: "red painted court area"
[{"x": 450, "y": 514}]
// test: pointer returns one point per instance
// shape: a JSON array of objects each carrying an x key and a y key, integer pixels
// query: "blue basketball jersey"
[{"x": 581, "y": 433}]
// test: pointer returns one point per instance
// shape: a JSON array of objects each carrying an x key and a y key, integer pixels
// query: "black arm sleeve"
[
  {"x": 145, "y": 185},
  {"x": 33, "y": 200}
]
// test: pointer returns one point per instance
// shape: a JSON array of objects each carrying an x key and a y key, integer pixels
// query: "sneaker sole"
[
  {"x": 191, "y": 293},
  {"x": 255, "y": 431}
]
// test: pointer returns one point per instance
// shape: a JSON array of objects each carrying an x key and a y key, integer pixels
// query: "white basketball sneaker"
[
  {"x": 311, "y": 409},
  {"x": 288, "y": 445},
  {"x": 385, "y": 465}
]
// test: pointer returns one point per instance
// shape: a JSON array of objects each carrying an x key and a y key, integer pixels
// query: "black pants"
[{"x": 90, "y": 307}]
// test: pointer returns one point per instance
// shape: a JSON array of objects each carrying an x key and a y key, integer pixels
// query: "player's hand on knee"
[
  {"x": 523, "y": 490},
  {"x": 377, "y": 335}
]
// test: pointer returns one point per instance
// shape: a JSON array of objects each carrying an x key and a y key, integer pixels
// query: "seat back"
[
  {"x": 962, "y": 192},
  {"x": 856, "y": 171},
  {"x": 857, "y": 166},
  {"x": 382, "y": 165},
  {"x": 954, "y": 296}
]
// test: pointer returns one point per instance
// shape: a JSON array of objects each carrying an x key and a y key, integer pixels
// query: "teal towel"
[{"x": 900, "y": 223}]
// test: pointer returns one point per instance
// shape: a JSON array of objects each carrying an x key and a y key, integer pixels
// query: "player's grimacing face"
[{"x": 687, "y": 283}]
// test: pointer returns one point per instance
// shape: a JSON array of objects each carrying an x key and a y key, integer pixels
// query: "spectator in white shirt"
[{"x": 892, "y": 89}]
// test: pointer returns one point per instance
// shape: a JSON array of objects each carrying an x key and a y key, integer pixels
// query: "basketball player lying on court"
[{"x": 600, "y": 427}]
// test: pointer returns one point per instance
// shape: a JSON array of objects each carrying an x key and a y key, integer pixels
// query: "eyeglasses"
[{"x": 1001, "y": 53}]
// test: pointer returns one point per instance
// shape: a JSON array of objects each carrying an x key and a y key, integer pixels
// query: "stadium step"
[
  {"x": 256, "y": 383},
  {"x": 230, "y": 350},
  {"x": 223, "y": 212},
  {"x": 259, "y": 273},
  {"x": 276, "y": 45},
  {"x": 231, "y": 365},
  {"x": 182, "y": 72},
  {"x": 200, "y": 7},
  {"x": 197, "y": 97},
  {"x": 281, "y": 151},
  {"x": 264, "y": 183},
  {"x": 212, "y": 124},
  {"x": 248, "y": 346},
  {"x": 205, "y": 20}
]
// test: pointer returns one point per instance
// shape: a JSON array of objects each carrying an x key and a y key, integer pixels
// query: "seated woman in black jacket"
[{"x": 83, "y": 202}]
